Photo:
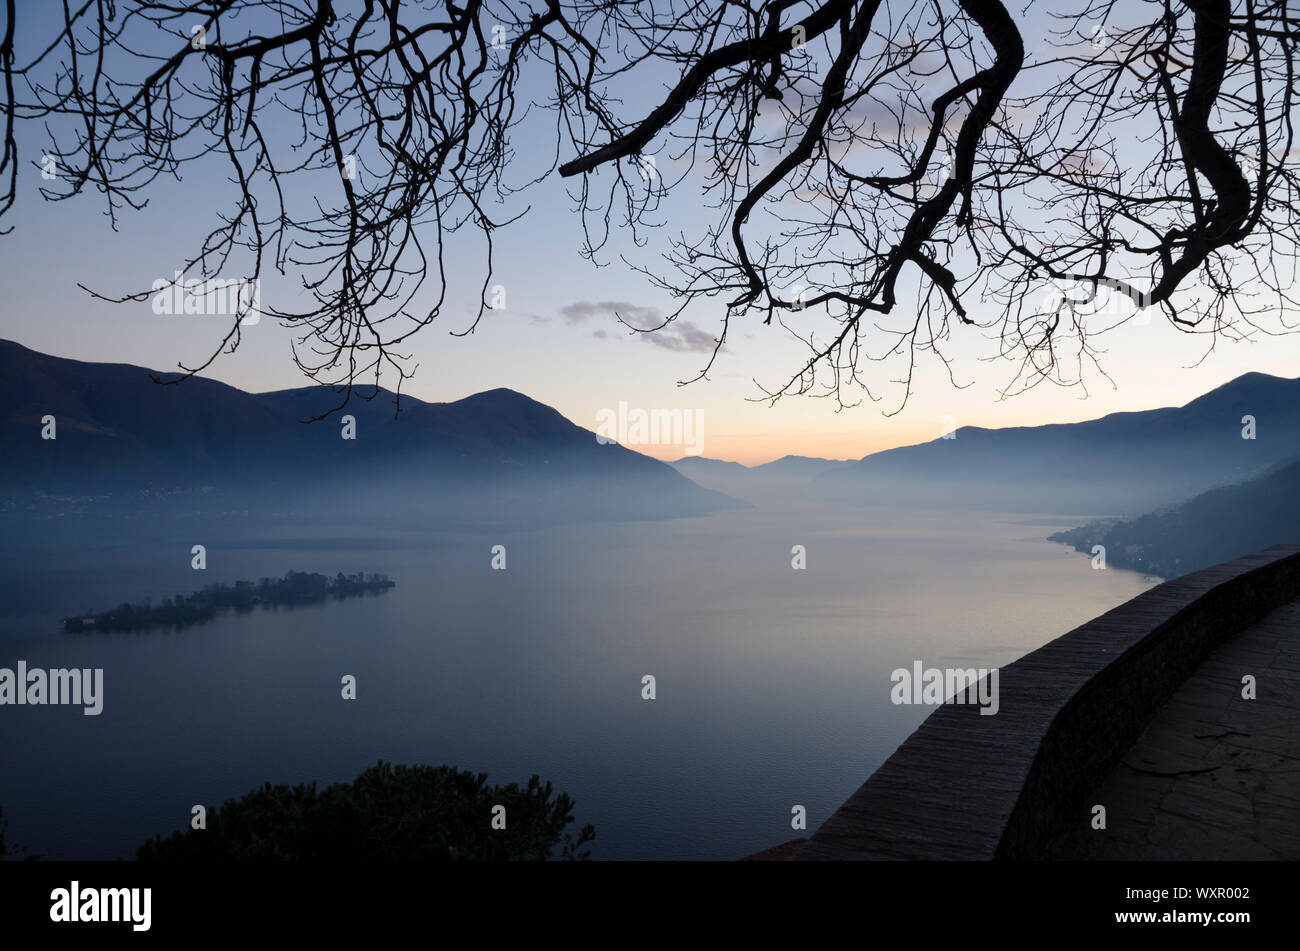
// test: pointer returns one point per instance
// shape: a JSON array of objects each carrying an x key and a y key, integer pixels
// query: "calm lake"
[{"x": 772, "y": 684}]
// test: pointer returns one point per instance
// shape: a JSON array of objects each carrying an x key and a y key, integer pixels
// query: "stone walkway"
[{"x": 1213, "y": 776}]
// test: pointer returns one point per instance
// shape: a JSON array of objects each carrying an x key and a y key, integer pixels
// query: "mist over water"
[{"x": 772, "y": 684}]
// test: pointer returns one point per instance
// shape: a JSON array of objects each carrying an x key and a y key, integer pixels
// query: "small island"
[{"x": 295, "y": 588}]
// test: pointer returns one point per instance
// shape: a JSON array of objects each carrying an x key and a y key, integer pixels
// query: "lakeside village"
[{"x": 295, "y": 588}]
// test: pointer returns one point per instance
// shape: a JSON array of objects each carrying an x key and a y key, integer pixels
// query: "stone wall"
[{"x": 966, "y": 786}]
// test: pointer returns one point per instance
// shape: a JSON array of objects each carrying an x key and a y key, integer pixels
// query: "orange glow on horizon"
[
  {"x": 752, "y": 449},
  {"x": 757, "y": 448}
]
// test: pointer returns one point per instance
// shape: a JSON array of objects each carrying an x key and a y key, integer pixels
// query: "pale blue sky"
[{"x": 539, "y": 346}]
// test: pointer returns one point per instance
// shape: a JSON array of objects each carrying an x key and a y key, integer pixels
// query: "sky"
[{"x": 557, "y": 339}]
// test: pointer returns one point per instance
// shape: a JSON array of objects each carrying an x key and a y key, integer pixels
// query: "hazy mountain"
[
  {"x": 787, "y": 467},
  {"x": 800, "y": 467},
  {"x": 1116, "y": 464},
  {"x": 701, "y": 465},
  {"x": 1214, "y": 527},
  {"x": 497, "y": 454}
]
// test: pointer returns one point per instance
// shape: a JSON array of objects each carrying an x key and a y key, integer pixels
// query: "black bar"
[{"x": 921, "y": 900}]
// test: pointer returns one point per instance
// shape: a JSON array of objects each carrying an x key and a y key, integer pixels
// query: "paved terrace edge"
[{"x": 966, "y": 786}]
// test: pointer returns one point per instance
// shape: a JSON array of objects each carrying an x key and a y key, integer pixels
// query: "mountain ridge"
[
  {"x": 119, "y": 433},
  {"x": 1122, "y": 461}
]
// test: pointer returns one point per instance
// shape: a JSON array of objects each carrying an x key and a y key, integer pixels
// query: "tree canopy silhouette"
[
  {"x": 387, "y": 814},
  {"x": 880, "y": 175},
  {"x": 12, "y": 849}
]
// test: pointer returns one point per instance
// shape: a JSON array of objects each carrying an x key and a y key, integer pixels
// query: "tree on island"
[
  {"x": 881, "y": 175},
  {"x": 295, "y": 588},
  {"x": 387, "y": 814}
]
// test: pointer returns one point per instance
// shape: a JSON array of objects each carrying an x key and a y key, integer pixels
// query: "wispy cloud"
[
  {"x": 683, "y": 336},
  {"x": 680, "y": 336},
  {"x": 642, "y": 318}
]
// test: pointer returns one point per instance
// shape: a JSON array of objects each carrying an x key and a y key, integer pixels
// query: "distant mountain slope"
[
  {"x": 787, "y": 467},
  {"x": 701, "y": 465},
  {"x": 800, "y": 467},
  {"x": 121, "y": 434},
  {"x": 112, "y": 419},
  {"x": 1118, "y": 463},
  {"x": 1214, "y": 527}
]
